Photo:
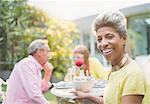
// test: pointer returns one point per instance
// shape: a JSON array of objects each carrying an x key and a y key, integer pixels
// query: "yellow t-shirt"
[
  {"x": 128, "y": 80},
  {"x": 97, "y": 70}
]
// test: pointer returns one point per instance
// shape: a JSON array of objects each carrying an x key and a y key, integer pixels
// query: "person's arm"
[
  {"x": 31, "y": 83},
  {"x": 134, "y": 88},
  {"x": 45, "y": 84},
  {"x": 83, "y": 95},
  {"x": 48, "y": 68},
  {"x": 132, "y": 99}
]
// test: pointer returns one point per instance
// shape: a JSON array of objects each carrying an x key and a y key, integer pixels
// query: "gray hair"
[
  {"x": 113, "y": 19},
  {"x": 36, "y": 44}
]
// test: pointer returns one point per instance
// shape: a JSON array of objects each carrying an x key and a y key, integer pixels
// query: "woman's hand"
[
  {"x": 80, "y": 94},
  {"x": 84, "y": 95}
]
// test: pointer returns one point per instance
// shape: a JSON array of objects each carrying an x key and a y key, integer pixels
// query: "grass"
[{"x": 51, "y": 98}]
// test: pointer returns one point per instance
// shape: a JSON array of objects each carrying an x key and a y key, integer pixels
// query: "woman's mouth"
[{"x": 107, "y": 52}]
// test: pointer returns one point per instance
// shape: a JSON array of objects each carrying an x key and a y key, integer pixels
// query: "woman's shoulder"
[
  {"x": 134, "y": 65},
  {"x": 134, "y": 68},
  {"x": 93, "y": 59}
]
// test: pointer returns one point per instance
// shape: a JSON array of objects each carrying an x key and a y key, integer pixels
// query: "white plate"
[
  {"x": 100, "y": 84},
  {"x": 62, "y": 87}
]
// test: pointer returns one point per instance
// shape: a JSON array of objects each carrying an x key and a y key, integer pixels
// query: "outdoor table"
[{"x": 65, "y": 93}]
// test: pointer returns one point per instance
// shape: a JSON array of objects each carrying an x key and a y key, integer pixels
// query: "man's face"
[
  {"x": 110, "y": 43},
  {"x": 44, "y": 54}
]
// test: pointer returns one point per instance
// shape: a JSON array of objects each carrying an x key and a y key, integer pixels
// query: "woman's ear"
[{"x": 124, "y": 37}]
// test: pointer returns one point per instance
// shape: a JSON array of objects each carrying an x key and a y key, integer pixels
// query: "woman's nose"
[{"x": 103, "y": 44}]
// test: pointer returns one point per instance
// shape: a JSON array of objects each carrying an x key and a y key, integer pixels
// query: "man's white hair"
[{"x": 36, "y": 44}]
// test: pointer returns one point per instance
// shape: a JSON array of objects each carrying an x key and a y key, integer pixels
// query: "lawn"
[{"x": 50, "y": 97}]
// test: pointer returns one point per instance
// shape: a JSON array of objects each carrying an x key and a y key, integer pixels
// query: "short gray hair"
[
  {"x": 36, "y": 44},
  {"x": 113, "y": 19}
]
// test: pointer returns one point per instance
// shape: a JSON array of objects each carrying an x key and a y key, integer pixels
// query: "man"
[{"x": 25, "y": 85}]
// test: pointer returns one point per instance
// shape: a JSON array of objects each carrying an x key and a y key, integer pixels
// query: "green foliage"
[
  {"x": 60, "y": 35},
  {"x": 22, "y": 23},
  {"x": 49, "y": 96},
  {"x": 11, "y": 29}
]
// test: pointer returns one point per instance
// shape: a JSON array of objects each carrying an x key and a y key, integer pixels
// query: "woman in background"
[{"x": 91, "y": 65}]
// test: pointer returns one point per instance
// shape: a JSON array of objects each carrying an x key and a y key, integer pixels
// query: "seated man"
[{"x": 25, "y": 85}]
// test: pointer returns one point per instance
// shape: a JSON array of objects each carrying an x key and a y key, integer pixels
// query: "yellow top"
[
  {"x": 128, "y": 80},
  {"x": 96, "y": 69}
]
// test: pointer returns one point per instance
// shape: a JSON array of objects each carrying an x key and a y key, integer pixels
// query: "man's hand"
[
  {"x": 45, "y": 84},
  {"x": 48, "y": 67}
]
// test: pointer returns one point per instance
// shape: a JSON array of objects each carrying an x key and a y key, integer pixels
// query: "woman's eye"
[
  {"x": 109, "y": 36},
  {"x": 99, "y": 39}
]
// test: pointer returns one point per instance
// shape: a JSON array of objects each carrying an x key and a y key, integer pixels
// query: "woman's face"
[
  {"x": 78, "y": 57},
  {"x": 111, "y": 44}
]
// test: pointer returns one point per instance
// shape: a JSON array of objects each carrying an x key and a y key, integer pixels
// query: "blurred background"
[{"x": 64, "y": 24}]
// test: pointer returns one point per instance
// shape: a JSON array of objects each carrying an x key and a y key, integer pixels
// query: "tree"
[{"x": 21, "y": 23}]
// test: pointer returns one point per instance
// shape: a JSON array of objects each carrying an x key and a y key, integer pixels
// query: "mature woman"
[
  {"x": 91, "y": 65},
  {"x": 126, "y": 81}
]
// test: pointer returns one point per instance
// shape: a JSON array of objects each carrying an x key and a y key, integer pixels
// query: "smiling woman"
[
  {"x": 126, "y": 81},
  {"x": 111, "y": 34},
  {"x": 107, "y": 43}
]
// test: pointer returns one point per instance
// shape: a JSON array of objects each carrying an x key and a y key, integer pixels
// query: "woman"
[
  {"x": 126, "y": 81},
  {"x": 91, "y": 65}
]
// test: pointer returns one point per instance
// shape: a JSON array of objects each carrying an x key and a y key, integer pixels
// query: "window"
[{"x": 139, "y": 34}]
